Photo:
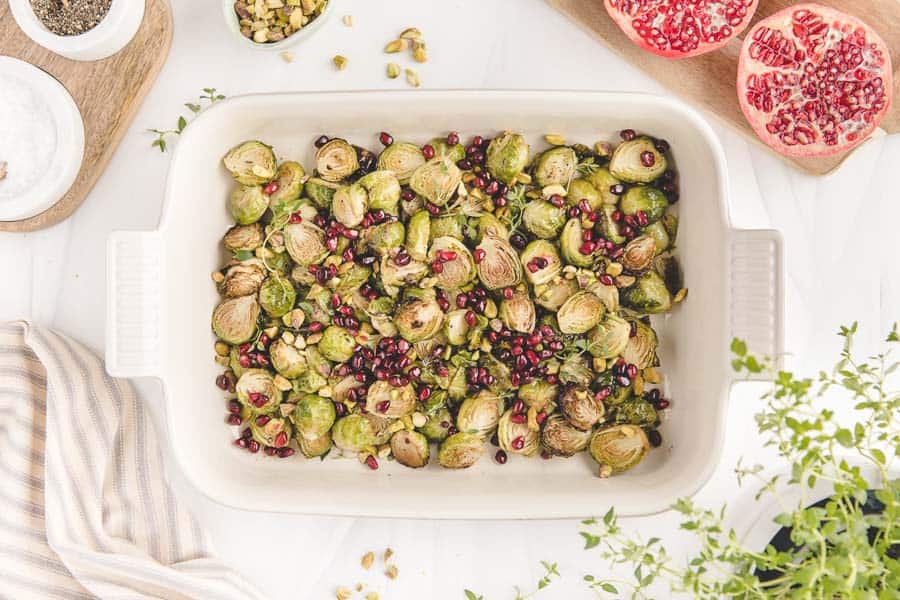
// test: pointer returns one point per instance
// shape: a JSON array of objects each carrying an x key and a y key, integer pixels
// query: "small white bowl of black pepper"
[{"x": 79, "y": 29}]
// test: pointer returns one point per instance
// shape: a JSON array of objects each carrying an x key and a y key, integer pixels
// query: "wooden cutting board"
[
  {"x": 108, "y": 92},
  {"x": 709, "y": 81}
]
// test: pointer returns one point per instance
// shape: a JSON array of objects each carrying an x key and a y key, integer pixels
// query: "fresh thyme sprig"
[
  {"x": 550, "y": 572},
  {"x": 209, "y": 97}
]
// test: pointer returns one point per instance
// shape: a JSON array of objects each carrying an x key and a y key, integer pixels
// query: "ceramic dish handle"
[
  {"x": 757, "y": 295},
  {"x": 134, "y": 303}
]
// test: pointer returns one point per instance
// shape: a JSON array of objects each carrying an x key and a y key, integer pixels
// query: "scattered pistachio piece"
[
  {"x": 395, "y": 46},
  {"x": 282, "y": 384},
  {"x": 348, "y": 20},
  {"x": 391, "y": 572},
  {"x": 222, "y": 349},
  {"x": 367, "y": 560},
  {"x": 388, "y": 553},
  {"x": 554, "y": 189},
  {"x": 603, "y": 149},
  {"x": 372, "y": 596},
  {"x": 638, "y": 383},
  {"x": 393, "y": 70},
  {"x": 614, "y": 269},
  {"x": 2, "y": 169},
  {"x": 343, "y": 593},
  {"x": 680, "y": 295},
  {"x": 651, "y": 375},
  {"x": 340, "y": 62},
  {"x": 555, "y": 140},
  {"x": 410, "y": 33},
  {"x": 412, "y": 78},
  {"x": 419, "y": 52},
  {"x": 287, "y": 57},
  {"x": 218, "y": 277},
  {"x": 359, "y": 587}
]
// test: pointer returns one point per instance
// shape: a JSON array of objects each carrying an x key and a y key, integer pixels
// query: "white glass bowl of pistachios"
[{"x": 274, "y": 24}]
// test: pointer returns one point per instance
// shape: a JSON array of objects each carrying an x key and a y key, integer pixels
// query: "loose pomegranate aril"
[
  {"x": 500, "y": 457},
  {"x": 261, "y": 420},
  {"x": 617, "y": 189},
  {"x": 234, "y": 407},
  {"x": 428, "y": 151},
  {"x": 285, "y": 452},
  {"x": 253, "y": 446},
  {"x": 281, "y": 439},
  {"x": 508, "y": 293},
  {"x": 383, "y": 406},
  {"x": 234, "y": 419},
  {"x": 241, "y": 442},
  {"x": 477, "y": 141},
  {"x": 372, "y": 462},
  {"x": 340, "y": 409},
  {"x": 540, "y": 417},
  {"x": 452, "y": 138},
  {"x": 518, "y": 443},
  {"x": 295, "y": 218},
  {"x": 424, "y": 393},
  {"x": 641, "y": 218},
  {"x": 557, "y": 201},
  {"x": 270, "y": 451},
  {"x": 627, "y": 134},
  {"x": 464, "y": 164},
  {"x": 587, "y": 248},
  {"x": 648, "y": 159},
  {"x": 479, "y": 255},
  {"x": 654, "y": 438},
  {"x": 574, "y": 212},
  {"x": 584, "y": 205},
  {"x": 661, "y": 146},
  {"x": 606, "y": 280},
  {"x": 662, "y": 404},
  {"x": 517, "y": 418},
  {"x": 631, "y": 371},
  {"x": 270, "y": 188},
  {"x": 492, "y": 188},
  {"x": 437, "y": 266},
  {"x": 321, "y": 141},
  {"x": 222, "y": 382},
  {"x": 432, "y": 209},
  {"x": 623, "y": 381},
  {"x": 385, "y": 138},
  {"x": 653, "y": 395}
]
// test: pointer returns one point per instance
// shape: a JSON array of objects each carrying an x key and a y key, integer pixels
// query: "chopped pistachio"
[
  {"x": 340, "y": 62},
  {"x": 343, "y": 593},
  {"x": 393, "y": 70},
  {"x": 651, "y": 375},
  {"x": 614, "y": 269},
  {"x": 554, "y": 190},
  {"x": 348, "y": 20},
  {"x": 372, "y": 596},
  {"x": 222, "y": 349},
  {"x": 395, "y": 46},
  {"x": 388, "y": 553},
  {"x": 555, "y": 140},
  {"x": 287, "y": 57},
  {"x": 680, "y": 295},
  {"x": 419, "y": 52},
  {"x": 412, "y": 78},
  {"x": 410, "y": 33},
  {"x": 367, "y": 560},
  {"x": 218, "y": 277},
  {"x": 391, "y": 572}
]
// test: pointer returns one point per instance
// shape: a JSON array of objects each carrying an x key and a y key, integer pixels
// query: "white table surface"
[{"x": 840, "y": 237}]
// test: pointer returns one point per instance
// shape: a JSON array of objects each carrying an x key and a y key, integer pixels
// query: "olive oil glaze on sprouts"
[{"x": 451, "y": 295}]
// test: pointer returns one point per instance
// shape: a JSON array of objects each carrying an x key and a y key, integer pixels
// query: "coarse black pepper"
[{"x": 70, "y": 17}]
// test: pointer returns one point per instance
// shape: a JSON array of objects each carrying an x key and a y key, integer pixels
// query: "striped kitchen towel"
[{"x": 85, "y": 510}]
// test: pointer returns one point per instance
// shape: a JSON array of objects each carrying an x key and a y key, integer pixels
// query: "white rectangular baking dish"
[{"x": 160, "y": 297}]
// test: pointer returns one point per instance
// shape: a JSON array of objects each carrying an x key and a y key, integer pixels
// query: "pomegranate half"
[
  {"x": 813, "y": 81},
  {"x": 681, "y": 28}
]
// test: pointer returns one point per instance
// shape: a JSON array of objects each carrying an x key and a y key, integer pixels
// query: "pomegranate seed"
[
  {"x": 661, "y": 146},
  {"x": 508, "y": 293},
  {"x": 385, "y": 138},
  {"x": 295, "y": 218},
  {"x": 546, "y": 455},
  {"x": 270, "y": 451},
  {"x": 348, "y": 255},
  {"x": 623, "y": 381},
  {"x": 383, "y": 406},
  {"x": 464, "y": 164},
  {"x": 641, "y": 218},
  {"x": 340, "y": 409},
  {"x": 407, "y": 194},
  {"x": 630, "y": 221},
  {"x": 557, "y": 201},
  {"x": 428, "y": 151},
  {"x": 477, "y": 141},
  {"x": 603, "y": 393},
  {"x": 617, "y": 189},
  {"x": 492, "y": 188},
  {"x": 517, "y": 418},
  {"x": 587, "y": 235},
  {"x": 532, "y": 266},
  {"x": 541, "y": 262},
  {"x": 628, "y": 134},
  {"x": 606, "y": 280},
  {"x": 222, "y": 382},
  {"x": 654, "y": 438},
  {"x": 285, "y": 452},
  {"x": 500, "y": 457},
  {"x": 541, "y": 417},
  {"x": 433, "y": 209},
  {"x": 452, "y": 138},
  {"x": 479, "y": 255},
  {"x": 593, "y": 216},
  {"x": 518, "y": 443},
  {"x": 234, "y": 419},
  {"x": 479, "y": 182},
  {"x": 253, "y": 446},
  {"x": 315, "y": 327},
  {"x": 372, "y": 462},
  {"x": 424, "y": 393},
  {"x": 648, "y": 159},
  {"x": 241, "y": 442},
  {"x": 447, "y": 255},
  {"x": 281, "y": 439},
  {"x": 662, "y": 404},
  {"x": 631, "y": 371},
  {"x": 321, "y": 141},
  {"x": 574, "y": 212},
  {"x": 246, "y": 434},
  {"x": 270, "y": 188},
  {"x": 552, "y": 379},
  {"x": 261, "y": 420},
  {"x": 234, "y": 407},
  {"x": 584, "y": 205},
  {"x": 437, "y": 267},
  {"x": 471, "y": 320},
  {"x": 587, "y": 247}
]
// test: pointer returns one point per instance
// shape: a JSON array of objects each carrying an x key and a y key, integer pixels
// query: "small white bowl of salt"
[{"x": 41, "y": 140}]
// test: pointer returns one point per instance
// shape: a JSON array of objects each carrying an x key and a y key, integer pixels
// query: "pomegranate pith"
[
  {"x": 681, "y": 28},
  {"x": 813, "y": 81}
]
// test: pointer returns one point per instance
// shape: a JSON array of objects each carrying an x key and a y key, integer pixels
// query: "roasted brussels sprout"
[
  {"x": 657, "y": 232},
  {"x": 609, "y": 337},
  {"x": 458, "y": 266},
  {"x": 437, "y": 427},
  {"x": 277, "y": 295},
  {"x": 315, "y": 447},
  {"x": 447, "y": 226},
  {"x": 641, "y": 347},
  {"x": 256, "y": 390},
  {"x": 410, "y": 448},
  {"x": 320, "y": 192},
  {"x": 517, "y": 312},
  {"x": 289, "y": 361},
  {"x": 618, "y": 448},
  {"x": 402, "y": 159},
  {"x": 385, "y": 237},
  {"x": 397, "y": 275},
  {"x": 248, "y": 203},
  {"x": 460, "y": 451},
  {"x": 491, "y": 226},
  {"x": 639, "y": 253},
  {"x": 289, "y": 181},
  {"x": 638, "y": 161},
  {"x": 553, "y": 295},
  {"x": 580, "y": 408},
  {"x": 243, "y": 278},
  {"x": 669, "y": 269},
  {"x": 349, "y": 204},
  {"x": 455, "y": 152},
  {"x": 244, "y": 237},
  {"x": 543, "y": 219},
  {"x": 337, "y": 344},
  {"x": 480, "y": 414},
  {"x": 646, "y": 199},
  {"x": 648, "y": 294},
  {"x": 271, "y": 431},
  {"x": 234, "y": 319},
  {"x": 637, "y": 411},
  {"x": 386, "y": 400},
  {"x": 313, "y": 416},
  {"x": 507, "y": 156},
  {"x": 539, "y": 395},
  {"x": 336, "y": 160},
  {"x": 603, "y": 182},
  {"x": 516, "y": 437},
  {"x": 555, "y": 166},
  {"x": 355, "y": 432},
  {"x": 383, "y": 190},
  {"x": 572, "y": 246},
  {"x": 418, "y": 232},
  {"x": 499, "y": 266},
  {"x": 559, "y": 437},
  {"x": 305, "y": 243},
  {"x": 419, "y": 319},
  {"x": 541, "y": 262},
  {"x": 251, "y": 163},
  {"x": 580, "y": 313},
  {"x": 582, "y": 189},
  {"x": 436, "y": 180},
  {"x": 608, "y": 226},
  {"x": 456, "y": 329}
]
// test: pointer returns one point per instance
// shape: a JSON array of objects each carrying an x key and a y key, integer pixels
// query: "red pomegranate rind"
[
  {"x": 813, "y": 81},
  {"x": 681, "y": 28}
]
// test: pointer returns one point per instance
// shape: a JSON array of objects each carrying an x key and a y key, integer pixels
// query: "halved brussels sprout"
[
  {"x": 419, "y": 319},
  {"x": 608, "y": 294},
  {"x": 418, "y": 232},
  {"x": 275, "y": 432},
  {"x": 336, "y": 160},
  {"x": 555, "y": 166},
  {"x": 401, "y": 158},
  {"x": 536, "y": 254},
  {"x": 337, "y": 344},
  {"x": 313, "y": 416},
  {"x": 456, "y": 152},
  {"x": 561, "y": 439},
  {"x": 517, "y": 438},
  {"x": 648, "y": 294},
  {"x": 436, "y": 180},
  {"x": 410, "y": 448},
  {"x": 609, "y": 337},
  {"x": 290, "y": 184},
  {"x": 603, "y": 181},
  {"x": 385, "y": 400},
  {"x": 480, "y": 414},
  {"x": 553, "y": 295},
  {"x": 507, "y": 156},
  {"x": 398, "y": 276},
  {"x": 456, "y": 272},
  {"x": 244, "y": 237},
  {"x": 644, "y": 198},
  {"x": 437, "y": 427},
  {"x": 580, "y": 408},
  {"x": 234, "y": 319},
  {"x": 247, "y": 204},
  {"x": 460, "y": 451},
  {"x": 618, "y": 448},
  {"x": 256, "y": 390},
  {"x": 447, "y": 226},
  {"x": 315, "y": 447},
  {"x": 641, "y": 347},
  {"x": 657, "y": 231},
  {"x": 574, "y": 370},
  {"x": 251, "y": 163},
  {"x": 637, "y": 411},
  {"x": 456, "y": 330},
  {"x": 571, "y": 243},
  {"x": 355, "y": 432},
  {"x": 580, "y": 313},
  {"x": 543, "y": 219},
  {"x": 669, "y": 269},
  {"x": 491, "y": 226},
  {"x": 385, "y": 237},
  {"x": 352, "y": 279},
  {"x": 582, "y": 189},
  {"x": 243, "y": 278},
  {"x": 383, "y": 189},
  {"x": 349, "y": 204},
  {"x": 277, "y": 295},
  {"x": 321, "y": 192},
  {"x": 287, "y": 359},
  {"x": 639, "y": 253},
  {"x": 518, "y": 313},
  {"x": 638, "y": 161},
  {"x": 500, "y": 266},
  {"x": 539, "y": 395},
  {"x": 305, "y": 243},
  {"x": 608, "y": 226}
]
